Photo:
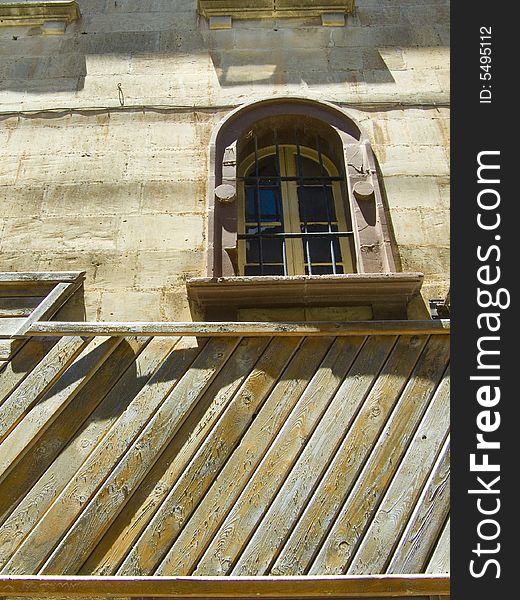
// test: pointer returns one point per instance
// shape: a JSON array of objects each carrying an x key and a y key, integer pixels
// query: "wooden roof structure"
[{"x": 227, "y": 457}]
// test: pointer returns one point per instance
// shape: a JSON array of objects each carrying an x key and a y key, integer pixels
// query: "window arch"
[{"x": 365, "y": 243}]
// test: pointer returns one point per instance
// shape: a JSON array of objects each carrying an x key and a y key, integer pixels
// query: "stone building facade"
[{"x": 107, "y": 122}]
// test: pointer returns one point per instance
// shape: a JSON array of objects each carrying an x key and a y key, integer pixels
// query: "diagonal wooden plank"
[
  {"x": 38, "y": 382},
  {"x": 291, "y": 499},
  {"x": 25, "y": 435},
  {"x": 93, "y": 472},
  {"x": 205, "y": 466},
  {"x": 440, "y": 560},
  {"x": 183, "y": 556},
  {"x": 32, "y": 352},
  {"x": 418, "y": 539},
  {"x": 131, "y": 522},
  {"x": 322, "y": 508},
  {"x": 49, "y": 305},
  {"x": 43, "y": 475},
  {"x": 280, "y": 457},
  {"x": 347, "y": 531},
  {"x": 82, "y": 537},
  {"x": 376, "y": 548}
]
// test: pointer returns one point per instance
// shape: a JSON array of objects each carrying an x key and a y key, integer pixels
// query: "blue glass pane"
[
  {"x": 320, "y": 250},
  {"x": 316, "y": 204},
  {"x": 269, "y": 206}
]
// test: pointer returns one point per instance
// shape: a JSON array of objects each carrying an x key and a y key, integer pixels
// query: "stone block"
[
  {"x": 419, "y": 226},
  {"x": 72, "y": 233},
  {"x": 21, "y": 201},
  {"x": 166, "y": 268},
  {"x": 173, "y": 197},
  {"x": 414, "y": 192},
  {"x": 161, "y": 232},
  {"x": 130, "y": 305},
  {"x": 92, "y": 199}
]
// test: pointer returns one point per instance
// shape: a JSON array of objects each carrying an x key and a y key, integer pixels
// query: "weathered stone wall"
[{"x": 120, "y": 191}]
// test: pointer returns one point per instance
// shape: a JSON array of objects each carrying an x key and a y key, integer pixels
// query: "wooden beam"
[
  {"x": 39, "y": 277},
  {"x": 216, "y": 329},
  {"x": 372, "y": 586},
  {"x": 49, "y": 305}
]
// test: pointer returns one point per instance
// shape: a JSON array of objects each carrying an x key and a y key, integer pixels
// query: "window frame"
[{"x": 295, "y": 255}]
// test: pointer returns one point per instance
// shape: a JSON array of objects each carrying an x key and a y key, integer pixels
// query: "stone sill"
[
  {"x": 257, "y": 9},
  {"x": 387, "y": 293},
  {"x": 20, "y": 14}
]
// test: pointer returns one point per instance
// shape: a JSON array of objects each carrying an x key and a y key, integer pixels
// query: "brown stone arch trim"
[{"x": 373, "y": 241}]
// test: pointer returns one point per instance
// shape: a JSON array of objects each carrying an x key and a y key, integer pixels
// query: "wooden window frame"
[{"x": 294, "y": 247}]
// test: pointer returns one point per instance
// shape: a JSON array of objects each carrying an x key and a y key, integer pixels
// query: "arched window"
[
  {"x": 293, "y": 213},
  {"x": 296, "y": 217}
]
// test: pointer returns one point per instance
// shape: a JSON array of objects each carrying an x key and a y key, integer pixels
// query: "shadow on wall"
[{"x": 284, "y": 51}]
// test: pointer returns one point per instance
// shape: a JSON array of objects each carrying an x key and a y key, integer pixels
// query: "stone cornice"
[
  {"x": 254, "y": 9},
  {"x": 16, "y": 14}
]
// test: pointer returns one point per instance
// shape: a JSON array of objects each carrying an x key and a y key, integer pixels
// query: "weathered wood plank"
[
  {"x": 25, "y": 435},
  {"x": 9, "y": 326},
  {"x": 228, "y": 587},
  {"x": 20, "y": 289},
  {"x": 18, "y": 306},
  {"x": 213, "y": 329},
  {"x": 39, "y": 276},
  {"x": 143, "y": 504},
  {"x": 183, "y": 556},
  {"x": 201, "y": 472},
  {"x": 291, "y": 499},
  {"x": 440, "y": 560},
  {"x": 413, "y": 550},
  {"x": 49, "y": 305},
  {"x": 300, "y": 548},
  {"x": 39, "y": 381},
  {"x": 19, "y": 367},
  {"x": 347, "y": 531},
  {"x": 8, "y": 348},
  {"x": 392, "y": 516},
  {"x": 43, "y": 475},
  {"x": 82, "y": 537},
  {"x": 280, "y": 457},
  {"x": 86, "y": 481}
]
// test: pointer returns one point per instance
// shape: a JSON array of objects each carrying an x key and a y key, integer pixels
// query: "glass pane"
[
  {"x": 316, "y": 204},
  {"x": 324, "y": 270},
  {"x": 266, "y": 167},
  {"x": 272, "y": 247},
  {"x": 252, "y": 270},
  {"x": 320, "y": 250},
  {"x": 310, "y": 168},
  {"x": 270, "y": 205}
]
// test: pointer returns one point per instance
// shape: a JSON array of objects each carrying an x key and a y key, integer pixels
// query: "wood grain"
[
  {"x": 305, "y": 538},
  {"x": 40, "y": 478},
  {"x": 392, "y": 516},
  {"x": 292, "y": 498},
  {"x": 130, "y": 523},
  {"x": 183, "y": 556},
  {"x": 194, "y": 482},
  {"x": 87, "y": 480},
  {"x": 82, "y": 536},
  {"x": 347, "y": 531},
  {"x": 413, "y": 550}
]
